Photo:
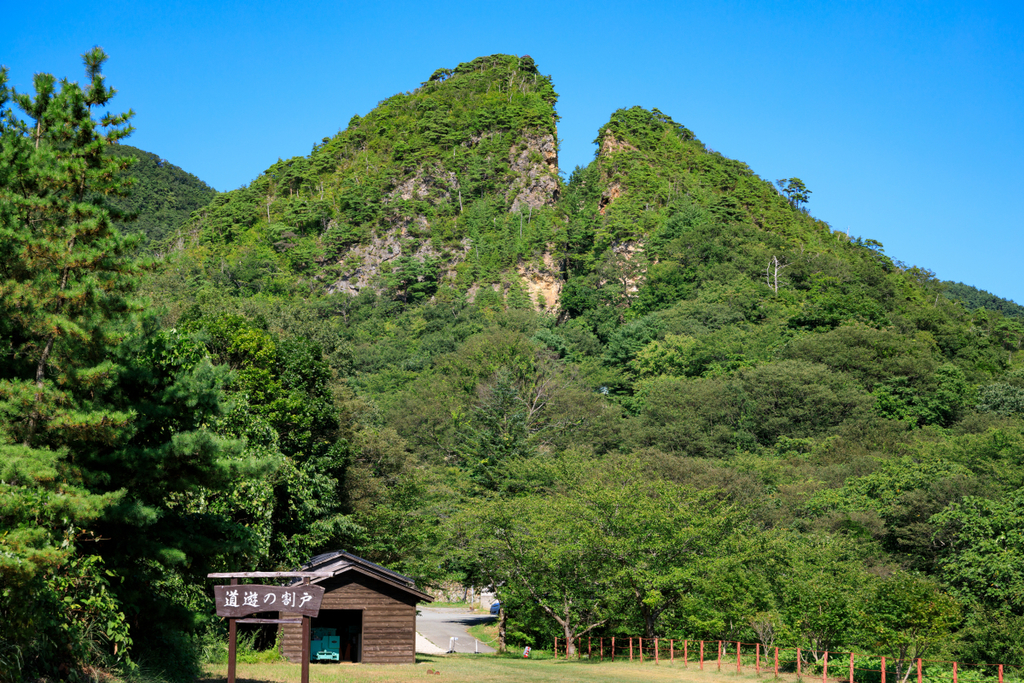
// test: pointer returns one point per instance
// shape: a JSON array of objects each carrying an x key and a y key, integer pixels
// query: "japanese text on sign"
[{"x": 238, "y": 601}]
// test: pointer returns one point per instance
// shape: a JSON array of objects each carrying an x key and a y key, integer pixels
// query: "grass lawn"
[
  {"x": 486, "y": 633},
  {"x": 482, "y": 669}
]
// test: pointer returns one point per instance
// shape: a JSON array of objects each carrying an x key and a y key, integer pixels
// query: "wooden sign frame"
[
  {"x": 245, "y": 599},
  {"x": 303, "y": 598}
]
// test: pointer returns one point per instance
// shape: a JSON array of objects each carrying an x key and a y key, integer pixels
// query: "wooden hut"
[{"x": 371, "y": 609}]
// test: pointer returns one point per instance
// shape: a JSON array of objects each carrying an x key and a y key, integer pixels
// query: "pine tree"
[
  {"x": 65, "y": 274},
  {"x": 65, "y": 281}
]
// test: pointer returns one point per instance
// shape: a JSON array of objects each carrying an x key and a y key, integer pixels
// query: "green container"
[{"x": 324, "y": 645}]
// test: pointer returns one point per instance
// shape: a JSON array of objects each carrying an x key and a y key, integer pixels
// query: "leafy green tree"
[
  {"x": 870, "y": 355},
  {"x": 1001, "y": 397},
  {"x": 497, "y": 432},
  {"x": 412, "y": 279},
  {"x": 942, "y": 401},
  {"x": 531, "y": 544},
  {"x": 910, "y": 617},
  {"x": 795, "y": 190},
  {"x": 172, "y": 455},
  {"x": 394, "y": 505},
  {"x": 694, "y": 418},
  {"x": 660, "y": 539},
  {"x": 983, "y": 550},
  {"x": 667, "y": 357},
  {"x": 284, "y": 409},
  {"x": 819, "y": 590}
]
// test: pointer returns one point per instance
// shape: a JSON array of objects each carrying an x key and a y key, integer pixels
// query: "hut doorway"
[{"x": 347, "y": 626}]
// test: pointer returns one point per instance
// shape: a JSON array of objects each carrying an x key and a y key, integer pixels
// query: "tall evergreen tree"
[
  {"x": 65, "y": 284},
  {"x": 65, "y": 274}
]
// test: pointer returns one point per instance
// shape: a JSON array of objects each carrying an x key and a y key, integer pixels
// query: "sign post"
[
  {"x": 232, "y": 639},
  {"x": 234, "y": 601},
  {"x": 305, "y": 635}
]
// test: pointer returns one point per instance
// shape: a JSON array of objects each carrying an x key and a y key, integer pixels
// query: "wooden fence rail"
[{"x": 849, "y": 666}]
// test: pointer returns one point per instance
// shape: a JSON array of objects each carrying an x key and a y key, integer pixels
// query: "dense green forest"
[
  {"x": 972, "y": 298},
  {"x": 659, "y": 398},
  {"x": 162, "y": 197}
]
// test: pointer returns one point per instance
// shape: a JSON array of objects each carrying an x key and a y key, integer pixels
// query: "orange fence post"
[
  {"x": 719, "y": 660},
  {"x": 739, "y": 664},
  {"x": 656, "y": 653},
  {"x": 776, "y": 662},
  {"x": 757, "y": 662},
  {"x": 641, "y": 650},
  {"x": 918, "y": 670},
  {"x": 702, "y": 655},
  {"x": 851, "y": 668},
  {"x": 954, "y": 672},
  {"x": 671, "y": 650},
  {"x": 556, "y": 647},
  {"x": 883, "y": 669},
  {"x": 1000, "y": 673},
  {"x": 798, "y": 663},
  {"x": 824, "y": 669},
  {"x": 600, "y": 644},
  {"x": 613, "y": 648},
  {"x": 631, "y": 649}
]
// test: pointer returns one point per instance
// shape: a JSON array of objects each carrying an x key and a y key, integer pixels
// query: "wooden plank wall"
[
  {"x": 389, "y": 619},
  {"x": 291, "y": 638}
]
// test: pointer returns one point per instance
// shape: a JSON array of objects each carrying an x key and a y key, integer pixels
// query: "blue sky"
[{"x": 905, "y": 119}]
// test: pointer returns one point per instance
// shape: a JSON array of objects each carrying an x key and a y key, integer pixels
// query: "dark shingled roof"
[{"x": 339, "y": 561}]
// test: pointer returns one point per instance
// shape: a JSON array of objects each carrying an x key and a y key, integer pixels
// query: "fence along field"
[{"x": 761, "y": 660}]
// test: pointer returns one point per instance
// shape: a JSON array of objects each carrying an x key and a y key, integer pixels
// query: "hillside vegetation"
[
  {"x": 658, "y": 399},
  {"x": 398, "y": 196},
  {"x": 162, "y": 198},
  {"x": 972, "y": 297}
]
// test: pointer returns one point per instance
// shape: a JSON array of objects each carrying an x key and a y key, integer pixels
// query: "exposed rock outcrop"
[
  {"x": 610, "y": 144},
  {"x": 535, "y": 166},
  {"x": 544, "y": 285},
  {"x": 434, "y": 184}
]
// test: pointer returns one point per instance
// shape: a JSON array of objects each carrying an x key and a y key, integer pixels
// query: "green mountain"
[
  {"x": 446, "y": 186},
  {"x": 972, "y": 298},
  {"x": 163, "y": 196},
  {"x": 659, "y": 398}
]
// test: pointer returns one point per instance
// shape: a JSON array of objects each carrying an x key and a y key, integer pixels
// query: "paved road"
[{"x": 438, "y": 624}]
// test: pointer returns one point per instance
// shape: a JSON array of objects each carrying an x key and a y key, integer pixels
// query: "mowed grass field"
[{"x": 484, "y": 669}]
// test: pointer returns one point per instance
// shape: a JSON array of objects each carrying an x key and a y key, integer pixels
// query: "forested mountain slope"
[
  {"x": 451, "y": 183},
  {"x": 660, "y": 398},
  {"x": 972, "y": 297},
  {"x": 665, "y": 305},
  {"x": 163, "y": 196}
]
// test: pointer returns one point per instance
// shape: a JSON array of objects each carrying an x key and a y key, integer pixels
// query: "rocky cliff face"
[
  {"x": 532, "y": 182},
  {"x": 459, "y": 175},
  {"x": 534, "y": 165},
  {"x": 543, "y": 283}
]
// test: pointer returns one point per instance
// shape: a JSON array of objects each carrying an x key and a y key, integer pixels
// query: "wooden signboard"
[
  {"x": 236, "y": 601},
  {"x": 239, "y": 601}
]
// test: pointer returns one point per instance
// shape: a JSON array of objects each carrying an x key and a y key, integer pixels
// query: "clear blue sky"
[{"x": 904, "y": 118}]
